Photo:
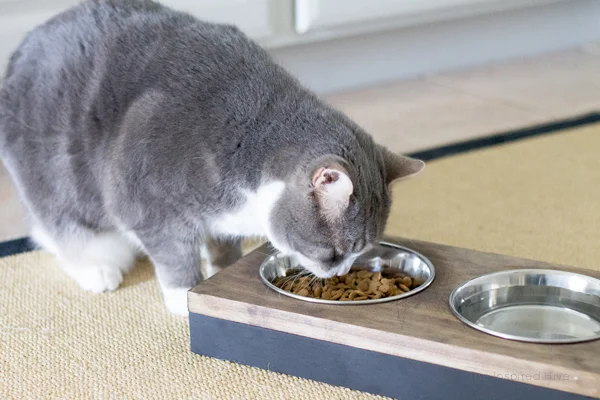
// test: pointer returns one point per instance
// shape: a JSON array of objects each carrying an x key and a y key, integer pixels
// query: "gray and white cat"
[{"x": 129, "y": 127}]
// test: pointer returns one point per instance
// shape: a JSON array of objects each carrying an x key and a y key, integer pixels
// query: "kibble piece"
[
  {"x": 363, "y": 285},
  {"x": 387, "y": 281},
  {"x": 373, "y": 285},
  {"x": 376, "y": 276},
  {"x": 317, "y": 292},
  {"x": 406, "y": 281},
  {"x": 357, "y": 293},
  {"x": 336, "y": 295},
  {"x": 404, "y": 288},
  {"x": 326, "y": 296},
  {"x": 364, "y": 274}
]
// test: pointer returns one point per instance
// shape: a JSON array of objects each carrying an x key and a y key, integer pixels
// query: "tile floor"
[
  {"x": 439, "y": 109},
  {"x": 448, "y": 107}
]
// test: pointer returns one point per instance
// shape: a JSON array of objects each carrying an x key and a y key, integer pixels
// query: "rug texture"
[{"x": 536, "y": 198}]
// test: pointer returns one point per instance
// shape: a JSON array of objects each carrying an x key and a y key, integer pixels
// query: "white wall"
[{"x": 334, "y": 55}]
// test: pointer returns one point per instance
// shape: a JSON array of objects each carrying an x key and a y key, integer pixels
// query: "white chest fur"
[{"x": 252, "y": 218}]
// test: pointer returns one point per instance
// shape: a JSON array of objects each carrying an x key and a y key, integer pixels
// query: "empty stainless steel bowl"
[
  {"x": 382, "y": 254},
  {"x": 531, "y": 305}
]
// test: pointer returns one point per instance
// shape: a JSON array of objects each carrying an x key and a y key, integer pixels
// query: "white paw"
[
  {"x": 176, "y": 300},
  {"x": 97, "y": 279}
]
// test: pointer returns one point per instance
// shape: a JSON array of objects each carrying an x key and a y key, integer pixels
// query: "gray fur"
[{"x": 126, "y": 115}]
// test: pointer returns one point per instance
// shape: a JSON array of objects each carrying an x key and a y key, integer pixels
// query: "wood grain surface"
[{"x": 420, "y": 327}]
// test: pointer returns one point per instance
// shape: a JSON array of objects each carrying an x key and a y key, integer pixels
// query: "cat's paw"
[
  {"x": 97, "y": 279},
  {"x": 176, "y": 301}
]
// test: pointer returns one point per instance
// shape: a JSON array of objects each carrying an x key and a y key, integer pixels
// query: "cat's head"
[{"x": 332, "y": 210}]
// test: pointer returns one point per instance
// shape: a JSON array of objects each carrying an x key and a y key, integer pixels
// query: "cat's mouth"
[{"x": 322, "y": 272}]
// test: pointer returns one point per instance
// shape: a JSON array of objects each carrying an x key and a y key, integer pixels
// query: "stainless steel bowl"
[
  {"x": 382, "y": 254},
  {"x": 531, "y": 305}
]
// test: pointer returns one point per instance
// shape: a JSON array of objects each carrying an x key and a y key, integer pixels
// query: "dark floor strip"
[
  {"x": 507, "y": 137},
  {"x": 15, "y": 247}
]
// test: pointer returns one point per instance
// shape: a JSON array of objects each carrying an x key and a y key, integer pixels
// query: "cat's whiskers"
[{"x": 293, "y": 277}]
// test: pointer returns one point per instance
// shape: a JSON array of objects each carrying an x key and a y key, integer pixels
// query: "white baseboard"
[{"x": 351, "y": 62}]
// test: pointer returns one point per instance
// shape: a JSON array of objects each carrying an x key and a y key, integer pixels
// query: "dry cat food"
[{"x": 356, "y": 285}]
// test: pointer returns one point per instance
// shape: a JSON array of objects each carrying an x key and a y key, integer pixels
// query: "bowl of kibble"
[{"x": 386, "y": 272}]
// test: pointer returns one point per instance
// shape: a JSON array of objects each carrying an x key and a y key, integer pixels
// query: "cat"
[{"x": 130, "y": 128}]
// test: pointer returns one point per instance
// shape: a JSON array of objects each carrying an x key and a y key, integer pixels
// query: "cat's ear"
[
  {"x": 400, "y": 167},
  {"x": 333, "y": 188}
]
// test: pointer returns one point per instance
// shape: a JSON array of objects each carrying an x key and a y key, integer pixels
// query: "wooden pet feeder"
[{"x": 414, "y": 347}]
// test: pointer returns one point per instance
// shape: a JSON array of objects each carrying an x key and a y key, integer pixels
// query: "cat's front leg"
[
  {"x": 177, "y": 262},
  {"x": 219, "y": 253}
]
